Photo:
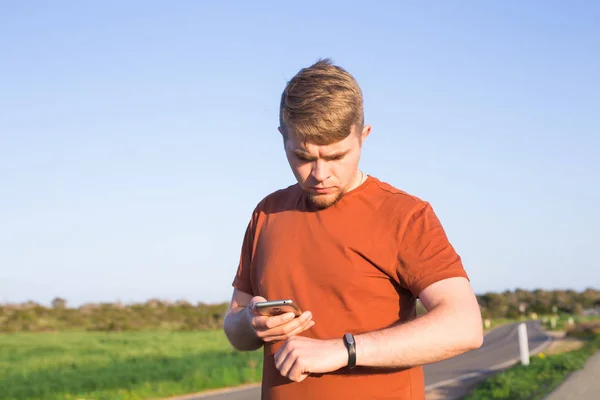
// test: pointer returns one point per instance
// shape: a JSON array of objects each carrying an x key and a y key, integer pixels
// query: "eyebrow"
[{"x": 334, "y": 156}]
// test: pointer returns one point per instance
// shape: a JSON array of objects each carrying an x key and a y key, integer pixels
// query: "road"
[{"x": 500, "y": 349}]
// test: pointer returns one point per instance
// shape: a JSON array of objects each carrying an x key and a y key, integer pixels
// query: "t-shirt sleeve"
[
  {"x": 243, "y": 277},
  {"x": 425, "y": 254}
]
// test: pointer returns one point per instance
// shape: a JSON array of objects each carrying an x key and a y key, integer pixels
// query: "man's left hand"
[{"x": 300, "y": 356}]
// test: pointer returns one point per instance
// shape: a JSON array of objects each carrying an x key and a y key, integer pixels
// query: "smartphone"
[{"x": 277, "y": 307}]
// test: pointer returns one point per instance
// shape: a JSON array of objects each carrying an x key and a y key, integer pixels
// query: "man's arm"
[
  {"x": 451, "y": 326},
  {"x": 237, "y": 325}
]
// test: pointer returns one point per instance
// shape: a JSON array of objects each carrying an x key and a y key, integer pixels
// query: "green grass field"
[
  {"x": 120, "y": 366},
  {"x": 123, "y": 365}
]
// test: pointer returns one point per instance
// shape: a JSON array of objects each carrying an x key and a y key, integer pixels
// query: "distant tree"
[
  {"x": 184, "y": 316},
  {"x": 513, "y": 311},
  {"x": 542, "y": 301},
  {"x": 59, "y": 303},
  {"x": 495, "y": 303},
  {"x": 590, "y": 297},
  {"x": 562, "y": 300}
]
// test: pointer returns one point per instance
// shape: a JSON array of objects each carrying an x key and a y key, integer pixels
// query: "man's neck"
[{"x": 359, "y": 179}]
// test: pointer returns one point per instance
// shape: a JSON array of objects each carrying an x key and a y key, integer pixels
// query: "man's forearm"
[
  {"x": 238, "y": 330},
  {"x": 443, "y": 332}
]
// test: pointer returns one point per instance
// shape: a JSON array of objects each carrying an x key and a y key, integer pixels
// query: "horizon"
[
  {"x": 138, "y": 138},
  {"x": 173, "y": 300}
]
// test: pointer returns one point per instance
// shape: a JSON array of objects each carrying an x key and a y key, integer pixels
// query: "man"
[{"x": 354, "y": 253}]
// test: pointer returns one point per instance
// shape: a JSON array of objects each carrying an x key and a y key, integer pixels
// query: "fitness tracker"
[{"x": 351, "y": 347}]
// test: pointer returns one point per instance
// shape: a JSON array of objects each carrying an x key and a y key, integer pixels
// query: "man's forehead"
[{"x": 307, "y": 147}]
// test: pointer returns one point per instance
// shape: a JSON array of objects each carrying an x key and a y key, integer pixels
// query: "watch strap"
[{"x": 351, "y": 347}]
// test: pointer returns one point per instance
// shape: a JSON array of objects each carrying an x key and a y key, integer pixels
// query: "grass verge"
[
  {"x": 120, "y": 366},
  {"x": 539, "y": 378}
]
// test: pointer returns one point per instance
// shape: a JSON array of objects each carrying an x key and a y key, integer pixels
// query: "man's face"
[{"x": 326, "y": 172}]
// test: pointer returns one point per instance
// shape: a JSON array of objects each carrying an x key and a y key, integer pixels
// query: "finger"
[
  {"x": 278, "y": 338},
  {"x": 272, "y": 322},
  {"x": 307, "y": 325},
  {"x": 286, "y": 362},
  {"x": 285, "y": 332},
  {"x": 257, "y": 299},
  {"x": 300, "y": 329},
  {"x": 295, "y": 332},
  {"x": 298, "y": 372},
  {"x": 279, "y": 356},
  {"x": 284, "y": 329},
  {"x": 258, "y": 321},
  {"x": 254, "y": 300},
  {"x": 264, "y": 322},
  {"x": 265, "y": 326}
]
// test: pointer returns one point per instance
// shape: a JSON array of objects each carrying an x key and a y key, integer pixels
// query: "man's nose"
[{"x": 320, "y": 170}]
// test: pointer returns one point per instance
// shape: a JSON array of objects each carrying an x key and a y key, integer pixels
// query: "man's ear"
[
  {"x": 283, "y": 133},
  {"x": 365, "y": 132}
]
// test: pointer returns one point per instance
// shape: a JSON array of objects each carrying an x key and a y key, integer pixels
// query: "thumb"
[{"x": 254, "y": 300}]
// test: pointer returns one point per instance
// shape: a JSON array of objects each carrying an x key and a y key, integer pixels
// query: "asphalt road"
[{"x": 500, "y": 349}]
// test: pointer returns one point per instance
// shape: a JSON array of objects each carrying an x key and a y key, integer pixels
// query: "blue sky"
[{"x": 135, "y": 139}]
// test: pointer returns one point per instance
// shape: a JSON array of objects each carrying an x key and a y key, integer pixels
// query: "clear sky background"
[{"x": 136, "y": 137}]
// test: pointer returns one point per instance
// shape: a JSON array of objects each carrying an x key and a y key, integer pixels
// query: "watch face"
[{"x": 349, "y": 338}]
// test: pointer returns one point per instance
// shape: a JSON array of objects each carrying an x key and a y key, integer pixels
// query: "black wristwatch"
[{"x": 351, "y": 347}]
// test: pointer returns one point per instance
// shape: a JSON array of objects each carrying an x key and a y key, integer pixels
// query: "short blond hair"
[{"x": 321, "y": 104}]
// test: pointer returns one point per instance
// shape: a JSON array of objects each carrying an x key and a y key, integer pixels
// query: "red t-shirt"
[{"x": 358, "y": 266}]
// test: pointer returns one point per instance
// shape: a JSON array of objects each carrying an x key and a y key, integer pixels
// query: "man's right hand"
[{"x": 279, "y": 327}]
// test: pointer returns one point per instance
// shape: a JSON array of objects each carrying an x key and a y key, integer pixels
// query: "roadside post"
[{"x": 523, "y": 344}]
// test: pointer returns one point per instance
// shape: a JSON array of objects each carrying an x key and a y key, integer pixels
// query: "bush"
[
  {"x": 151, "y": 315},
  {"x": 584, "y": 329}
]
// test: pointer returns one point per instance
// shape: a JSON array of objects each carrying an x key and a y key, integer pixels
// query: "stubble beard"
[{"x": 323, "y": 201}]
